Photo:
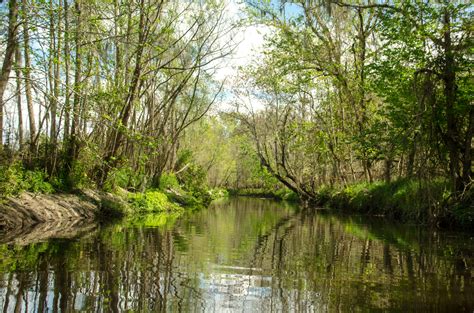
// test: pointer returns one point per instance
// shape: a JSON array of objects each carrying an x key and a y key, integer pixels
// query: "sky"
[{"x": 249, "y": 40}]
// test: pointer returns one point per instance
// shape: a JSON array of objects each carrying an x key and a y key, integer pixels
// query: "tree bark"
[
  {"x": 67, "y": 58},
  {"x": 8, "y": 59},
  {"x": 449, "y": 79},
  {"x": 27, "y": 77},
  {"x": 116, "y": 140},
  {"x": 18, "y": 96}
]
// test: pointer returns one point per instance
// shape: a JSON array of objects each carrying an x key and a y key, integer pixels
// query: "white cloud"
[{"x": 249, "y": 40}]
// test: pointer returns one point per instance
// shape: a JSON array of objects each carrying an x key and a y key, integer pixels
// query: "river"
[{"x": 243, "y": 255}]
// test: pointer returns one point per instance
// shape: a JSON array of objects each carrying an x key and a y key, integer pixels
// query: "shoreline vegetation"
[
  {"x": 29, "y": 197},
  {"x": 404, "y": 200},
  {"x": 32, "y": 199}
]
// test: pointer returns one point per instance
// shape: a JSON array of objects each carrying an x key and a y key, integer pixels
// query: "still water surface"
[{"x": 243, "y": 255}]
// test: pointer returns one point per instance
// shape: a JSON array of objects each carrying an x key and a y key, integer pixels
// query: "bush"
[
  {"x": 152, "y": 201},
  {"x": 169, "y": 181},
  {"x": 218, "y": 193},
  {"x": 14, "y": 179},
  {"x": 286, "y": 194},
  {"x": 11, "y": 180},
  {"x": 36, "y": 181}
]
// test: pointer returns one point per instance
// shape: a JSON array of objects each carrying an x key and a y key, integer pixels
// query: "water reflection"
[{"x": 244, "y": 255}]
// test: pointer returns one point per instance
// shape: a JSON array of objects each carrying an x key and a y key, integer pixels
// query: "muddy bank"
[
  {"x": 43, "y": 216},
  {"x": 30, "y": 209}
]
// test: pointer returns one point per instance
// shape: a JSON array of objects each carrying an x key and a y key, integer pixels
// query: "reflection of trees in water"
[
  {"x": 247, "y": 254},
  {"x": 103, "y": 277},
  {"x": 347, "y": 265}
]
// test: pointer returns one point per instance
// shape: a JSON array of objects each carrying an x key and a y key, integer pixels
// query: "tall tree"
[{"x": 8, "y": 58}]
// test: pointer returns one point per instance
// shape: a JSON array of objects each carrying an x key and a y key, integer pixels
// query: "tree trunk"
[
  {"x": 67, "y": 97},
  {"x": 467, "y": 157},
  {"x": 72, "y": 149},
  {"x": 8, "y": 59},
  {"x": 388, "y": 170},
  {"x": 449, "y": 79},
  {"x": 18, "y": 95},
  {"x": 27, "y": 77},
  {"x": 56, "y": 69},
  {"x": 116, "y": 140}
]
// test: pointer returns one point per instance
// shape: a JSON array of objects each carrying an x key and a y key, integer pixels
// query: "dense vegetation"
[
  {"x": 358, "y": 93},
  {"x": 109, "y": 88},
  {"x": 359, "y": 105}
]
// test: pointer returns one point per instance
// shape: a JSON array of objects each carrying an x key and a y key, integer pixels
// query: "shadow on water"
[{"x": 245, "y": 255}]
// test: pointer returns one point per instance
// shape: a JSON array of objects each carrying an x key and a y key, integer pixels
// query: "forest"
[{"x": 359, "y": 106}]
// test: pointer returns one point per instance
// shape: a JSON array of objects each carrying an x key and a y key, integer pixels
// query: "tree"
[{"x": 8, "y": 58}]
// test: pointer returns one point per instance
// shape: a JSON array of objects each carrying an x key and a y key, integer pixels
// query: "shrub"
[
  {"x": 169, "y": 181},
  {"x": 218, "y": 193},
  {"x": 405, "y": 199},
  {"x": 285, "y": 194},
  {"x": 14, "y": 179},
  {"x": 152, "y": 201},
  {"x": 36, "y": 181},
  {"x": 11, "y": 180},
  {"x": 78, "y": 177}
]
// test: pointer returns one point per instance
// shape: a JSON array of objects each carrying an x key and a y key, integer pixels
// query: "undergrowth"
[
  {"x": 408, "y": 200},
  {"x": 14, "y": 179}
]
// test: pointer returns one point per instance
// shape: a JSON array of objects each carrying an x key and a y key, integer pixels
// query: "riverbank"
[
  {"x": 404, "y": 200},
  {"x": 29, "y": 208},
  {"x": 30, "y": 197},
  {"x": 61, "y": 212}
]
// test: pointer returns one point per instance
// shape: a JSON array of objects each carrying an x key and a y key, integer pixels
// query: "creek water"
[{"x": 243, "y": 255}]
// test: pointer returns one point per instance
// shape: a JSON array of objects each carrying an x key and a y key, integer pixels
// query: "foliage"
[
  {"x": 14, "y": 179},
  {"x": 152, "y": 201},
  {"x": 353, "y": 95},
  {"x": 343, "y": 94},
  {"x": 405, "y": 199},
  {"x": 37, "y": 182},
  {"x": 81, "y": 174},
  {"x": 218, "y": 193},
  {"x": 169, "y": 181},
  {"x": 276, "y": 193},
  {"x": 11, "y": 180},
  {"x": 161, "y": 220}
]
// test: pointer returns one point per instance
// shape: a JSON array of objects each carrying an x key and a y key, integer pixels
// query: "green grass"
[{"x": 407, "y": 200}]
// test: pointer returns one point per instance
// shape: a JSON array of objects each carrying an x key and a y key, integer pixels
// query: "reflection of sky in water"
[
  {"x": 221, "y": 292},
  {"x": 248, "y": 293}
]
